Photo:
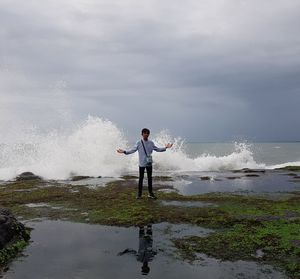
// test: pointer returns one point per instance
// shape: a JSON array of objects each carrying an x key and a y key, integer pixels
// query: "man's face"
[{"x": 145, "y": 136}]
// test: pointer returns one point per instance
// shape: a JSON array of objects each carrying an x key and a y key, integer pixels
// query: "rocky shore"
[
  {"x": 13, "y": 237},
  {"x": 257, "y": 227}
]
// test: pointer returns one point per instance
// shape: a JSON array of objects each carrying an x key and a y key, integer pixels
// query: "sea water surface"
[{"x": 89, "y": 149}]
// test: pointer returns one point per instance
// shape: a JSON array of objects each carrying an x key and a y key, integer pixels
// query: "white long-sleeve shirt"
[{"x": 149, "y": 146}]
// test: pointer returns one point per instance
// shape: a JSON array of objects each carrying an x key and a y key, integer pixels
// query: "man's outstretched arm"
[
  {"x": 134, "y": 149},
  {"x": 162, "y": 149}
]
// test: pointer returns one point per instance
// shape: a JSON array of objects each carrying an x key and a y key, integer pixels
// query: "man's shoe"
[
  {"x": 152, "y": 196},
  {"x": 138, "y": 197}
]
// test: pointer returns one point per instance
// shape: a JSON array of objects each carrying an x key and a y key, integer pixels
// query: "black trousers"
[{"x": 141, "y": 179}]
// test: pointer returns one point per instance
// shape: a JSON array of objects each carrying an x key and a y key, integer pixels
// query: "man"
[{"x": 145, "y": 148}]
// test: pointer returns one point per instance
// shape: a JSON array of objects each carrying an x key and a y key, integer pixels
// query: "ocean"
[{"x": 90, "y": 149}]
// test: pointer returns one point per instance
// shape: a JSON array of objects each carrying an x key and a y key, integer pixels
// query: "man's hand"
[
  {"x": 169, "y": 145},
  {"x": 120, "y": 150}
]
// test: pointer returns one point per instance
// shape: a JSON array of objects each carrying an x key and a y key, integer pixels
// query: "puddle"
[
  {"x": 72, "y": 250},
  {"x": 188, "y": 203}
]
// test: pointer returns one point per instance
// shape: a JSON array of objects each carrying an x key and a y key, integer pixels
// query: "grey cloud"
[{"x": 226, "y": 67}]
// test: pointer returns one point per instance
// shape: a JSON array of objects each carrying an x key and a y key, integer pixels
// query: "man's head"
[{"x": 145, "y": 133}]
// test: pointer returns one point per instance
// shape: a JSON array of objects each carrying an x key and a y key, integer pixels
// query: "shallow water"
[
  {"x": 72, "y": 250},
  {"x": 194, "y": 183},
  {"x": 269, "y": 182},
  {"x": 190, "y": 183}
]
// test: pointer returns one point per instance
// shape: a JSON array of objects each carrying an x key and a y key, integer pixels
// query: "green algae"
[
  {"x": 111, "y": 205},
  {"x": 10, "y": 252},
  {"x": 15, "y": 246},
  {"x": 290, "y": 168},
  {"x": 278, "y": 240}
]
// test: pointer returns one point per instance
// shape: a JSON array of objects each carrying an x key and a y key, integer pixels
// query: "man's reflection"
[{"x": 145, "y": 252}]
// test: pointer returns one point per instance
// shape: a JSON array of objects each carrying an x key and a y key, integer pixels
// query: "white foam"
[
  {"x": 90, "y": 149},
  {"x": 176, "y": 159}
]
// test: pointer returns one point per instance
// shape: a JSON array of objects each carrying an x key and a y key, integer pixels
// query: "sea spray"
[
  {"x": 177, "y": 159},
  {"x": 90, "y": 149}
]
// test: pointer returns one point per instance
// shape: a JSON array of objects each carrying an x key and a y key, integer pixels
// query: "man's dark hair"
[{"x": 145, "y": 131}]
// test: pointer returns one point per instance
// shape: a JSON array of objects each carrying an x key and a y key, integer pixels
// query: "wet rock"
[
  {"x": 163, "y": 178},
  {"x": 252, "y": 175},
  {"x": 128, "y": 177},
  {"x": 13, "y": 238},
  {"x": 290, "y": 168},
  {"x": 205, "y": 178},
  {"x": 233, "y": 177},
  {"x": 246, "y": 170},
  {"x": 24, "y": 176},
  {"x": 10, "y": 229},
  {"x": 290, "y": 174},
  {"x": 79, "y": 177},
  {"x": 237, "y": 171}
]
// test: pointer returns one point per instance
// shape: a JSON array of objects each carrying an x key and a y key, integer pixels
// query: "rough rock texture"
[
  {"x": 79, "y": 177},
  {"x": 24, "y": 176},
  {"x": 13, "y": 236}
]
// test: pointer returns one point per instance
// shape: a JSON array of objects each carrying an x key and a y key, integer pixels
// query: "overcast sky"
[{"x": 207, "y": 70}]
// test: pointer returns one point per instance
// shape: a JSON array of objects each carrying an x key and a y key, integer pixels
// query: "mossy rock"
[
  {"x": 129, "y": 177},
  {"x": 13, "y": 237},
  {"x": 80, "y": 177},
  {"x": 25, "y": 176},
  {"x": 205, "y": 178},
  {"x": 290, "y": 168},
  {"x": 278, "y": 241}
]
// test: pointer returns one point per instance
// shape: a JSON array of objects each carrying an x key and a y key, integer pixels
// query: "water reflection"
[
  {"x": 61, "y": 249},
  {"x": 145, "y": 253}
]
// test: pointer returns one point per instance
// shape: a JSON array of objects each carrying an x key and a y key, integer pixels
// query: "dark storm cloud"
[{"x": 207, "y": 70}]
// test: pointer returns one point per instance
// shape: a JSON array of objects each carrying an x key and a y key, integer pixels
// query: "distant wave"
[
  {"x": 177, "y": 159},
  {"x": 90, "y": 149}
]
